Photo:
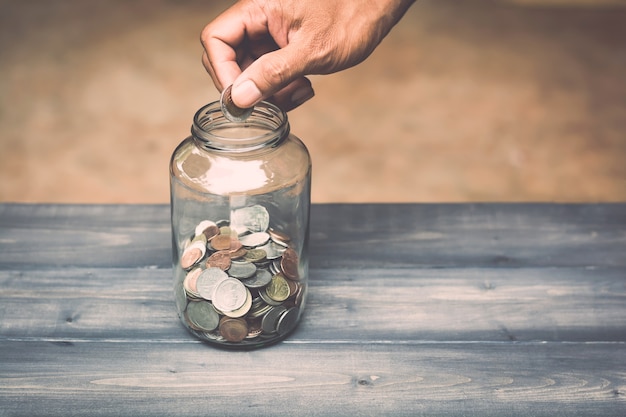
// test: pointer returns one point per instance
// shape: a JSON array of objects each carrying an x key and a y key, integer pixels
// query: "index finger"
[{"x": 220, "y": 40}]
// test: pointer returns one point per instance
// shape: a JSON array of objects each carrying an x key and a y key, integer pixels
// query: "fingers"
[
  {"x": 221, "y": 39},
  {"x": 295, "y": 94},
  {"x": 273, "y": 73}
]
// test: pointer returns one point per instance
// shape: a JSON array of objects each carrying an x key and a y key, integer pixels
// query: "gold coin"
[
  {"x": 233, "y": 329},
  {"x": 200, "y": 238},
  {"x": 278, "y": 289},
  {"x": 255, "y": 255}
]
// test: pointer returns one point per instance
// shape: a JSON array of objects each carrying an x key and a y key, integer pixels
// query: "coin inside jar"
[
  {"x": 230, "y": 110},
  {"x": 233, "y": 329},
  {"x": 248, "y": 277}
]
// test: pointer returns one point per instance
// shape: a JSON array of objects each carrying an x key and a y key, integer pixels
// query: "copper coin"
[
  {"x": 221, "y": 242},
  {"x": 202, "y": 226},
  {"x": 219, "y": 259},
  {"x": 190, "y": 256},
  {"x": 211, "y": 231},
  {"x": 239, "y": 253},
  {"x": 278, "y": 236},
  {"x": 254, "y": 327},
  {"x": 293, "y": 287},
  {"x": 233, "y": 329},
  {"x": 189, "y": 283},
  {"x": 289, "y": 264}
]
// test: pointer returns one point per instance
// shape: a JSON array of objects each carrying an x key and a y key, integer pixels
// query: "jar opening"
[{"x": 266, "y": 126}]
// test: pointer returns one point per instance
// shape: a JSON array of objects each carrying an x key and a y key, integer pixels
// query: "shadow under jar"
[{"x": 240, "y": 201}]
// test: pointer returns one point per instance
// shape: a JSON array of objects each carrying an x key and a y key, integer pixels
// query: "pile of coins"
[{"x": 242, "y": 282}]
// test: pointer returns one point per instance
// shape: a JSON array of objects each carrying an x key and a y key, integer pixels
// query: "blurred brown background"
[{"x": 473, "y": 100}]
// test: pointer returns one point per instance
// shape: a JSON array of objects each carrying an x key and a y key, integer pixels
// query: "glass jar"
[{"x": 240, "y": 200}]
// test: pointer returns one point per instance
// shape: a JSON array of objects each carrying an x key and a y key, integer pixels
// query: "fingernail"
[
  {"x": 246, "y": 94},
  {"x": 301, "y": 95}
]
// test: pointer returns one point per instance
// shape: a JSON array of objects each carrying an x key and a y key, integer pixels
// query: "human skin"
[{"x": 266, "y": 48}]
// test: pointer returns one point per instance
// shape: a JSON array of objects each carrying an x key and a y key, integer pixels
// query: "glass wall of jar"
[{"x": 240, "y": 200}]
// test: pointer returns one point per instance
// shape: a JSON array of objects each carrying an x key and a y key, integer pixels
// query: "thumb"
[{"x": 268, "y": 74}]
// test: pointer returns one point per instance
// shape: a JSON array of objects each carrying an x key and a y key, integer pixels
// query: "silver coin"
[
  {"x": 273, "y": 250},
  {"x": 259, "y": 280},
  {"x": 222, "y": 223},
  {"x": 267, "y": 299},
  {"x": 229, "y": 295},
  {"x": 287, "y": 321},
  {"x": 254, "y": 239},
  {"x": 259, "y": 311},
  {"x": 275, "y": 267},
  {"x": 230, "y": 110},
  {"x": 202, "y": 315},
  {"x": 208, "y": 281},
  {"x": 270, "y": 320},
  {"x": 243, "y": 310},
  {"x": 253, "y": 218},
  {"x": 279, "y": 242},
  {"x": 241, "y": 270}
]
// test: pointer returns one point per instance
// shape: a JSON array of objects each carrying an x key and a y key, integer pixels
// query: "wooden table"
[{"x": 460, "y": 309}]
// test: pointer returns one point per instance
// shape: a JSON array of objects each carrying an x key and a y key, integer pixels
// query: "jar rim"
[{"x": 266, "y": 126}]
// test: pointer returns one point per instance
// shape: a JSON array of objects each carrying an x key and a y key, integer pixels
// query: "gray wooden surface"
[{"x": 473, "y": 310}]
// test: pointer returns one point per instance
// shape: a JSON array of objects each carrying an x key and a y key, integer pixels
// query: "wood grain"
[{"x": 475, "y": 310}]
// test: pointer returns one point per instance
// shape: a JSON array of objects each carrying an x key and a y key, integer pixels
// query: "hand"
[{"x": 265, "y": 48}]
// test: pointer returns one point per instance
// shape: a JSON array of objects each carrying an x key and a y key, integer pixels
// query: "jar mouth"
[{"x": 266, "y": 126}]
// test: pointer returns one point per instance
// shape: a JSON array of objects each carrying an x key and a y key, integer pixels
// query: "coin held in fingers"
[{"x": 231, "y": 111}]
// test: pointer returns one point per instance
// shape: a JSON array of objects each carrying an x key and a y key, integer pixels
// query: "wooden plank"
[
  {"x": 141, "y": 379},
  {"x": 477, "y": 304},
  {"x": 474, "y": 310},
  {"x": 35, "y": 236},
  {"x": 346, "y": 235},
  {"x": 468, "y": 235}
]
